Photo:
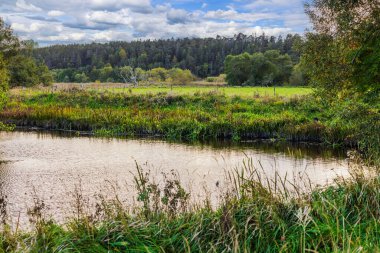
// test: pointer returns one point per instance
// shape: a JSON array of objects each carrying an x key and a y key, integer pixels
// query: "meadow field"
[
  {"x": 241, "y": 91},
  {"x": 183, "y": 113},
  {"x": 196, "y": 113}
]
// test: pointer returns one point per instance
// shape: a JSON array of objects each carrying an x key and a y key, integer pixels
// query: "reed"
[
  {"x": 257, "y": 214},
  {"x": 199, "y": 116}
]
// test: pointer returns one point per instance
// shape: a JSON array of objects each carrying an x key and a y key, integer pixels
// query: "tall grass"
[
  {"x": 256, "y": 215},
  {"x": 200, "y": 116}
]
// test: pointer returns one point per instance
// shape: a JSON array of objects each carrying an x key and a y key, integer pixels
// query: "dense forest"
[{"x": 203, "y": 57}]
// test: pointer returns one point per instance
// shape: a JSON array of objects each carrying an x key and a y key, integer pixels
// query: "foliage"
[
  {"x": 81, "y": 78},
  {"x": 24, "y": 71},
  {"x": 125, "y": 74},
  {"x": 238, "y": 68},
  {"x": 4, "y": 76},
  {"x": 298, "y": 76},
  {"x": 158, "y": 75},
  {"x": 259, "y": 69},
  {"x": 4, "y": 80},
  {"x": 343, "y": 53},
  {"x": 9, "y": 43},
  {"x": 179, "y": 76},
  {"x": 203, "y": 57}
]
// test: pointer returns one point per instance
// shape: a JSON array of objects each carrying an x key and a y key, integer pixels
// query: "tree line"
[
  {"x": 202, "y": 56},
  {"x": 125, "y": 74},
  {"x": 17, "y": 65}
]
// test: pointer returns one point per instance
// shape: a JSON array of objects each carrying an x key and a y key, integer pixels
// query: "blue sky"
[{"x": 73, "y": 21}]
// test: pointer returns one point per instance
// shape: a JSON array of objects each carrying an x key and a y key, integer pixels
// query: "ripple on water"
[{"x": 51, "y": 167}]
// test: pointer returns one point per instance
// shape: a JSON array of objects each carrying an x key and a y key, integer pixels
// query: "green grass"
[
  {"x": 208, "y": 115},
  {"x": 246, "y": 92}
]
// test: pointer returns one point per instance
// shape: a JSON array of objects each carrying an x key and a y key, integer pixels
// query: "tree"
[
  {"x": 24, "y": 71},
  {"x": 263, "y": 69},
  {"x": 4, "y": 79},
  {"x": 283, "y": 64},
  {"x": 203, "y": 57},
  {"x": 9, "y": 43},
  {"x": 81, "y": 78},
  {"x": 343, "y": 52},
  {"x": 238, "y": 68},
  {"x": 44, "y": 74},
  {"x": 132, "y": 75},
  {"x": 178, "y": 76},
  {"x": 298, "y": 76},
  {"x": 158, "y": 75},
  {"x": 9, "y": 46},
  {"x": 105, "y": 73}
]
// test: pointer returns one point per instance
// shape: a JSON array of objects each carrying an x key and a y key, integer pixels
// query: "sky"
[{"x": 83, "y": 21}]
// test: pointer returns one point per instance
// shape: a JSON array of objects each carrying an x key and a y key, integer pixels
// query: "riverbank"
[
  {"x": 50, "y": 166},
  {"x": 252, "y": 218},
  {"x": 207, "y": 115}
]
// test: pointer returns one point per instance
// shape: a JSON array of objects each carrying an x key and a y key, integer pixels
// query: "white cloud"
[
  {"x": 111, "y": 18},
  {"x": 55, "y": 13},
  {"x": 64, "y": 37},
  {"x": 137, "y": 5},
  {"x": 274, "y": 4},
  {"x": 181, "y": 16},
  {"x": 105, "y": 20},
  {"x": 22, "y": 5},
  {"x": 240, "y": 16},
  {"x": 36, "y": 27}
]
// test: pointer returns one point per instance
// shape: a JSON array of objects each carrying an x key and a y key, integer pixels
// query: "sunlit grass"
[
  {"x": 246, "y": 92},
  {"x": 212, "y": 113}
]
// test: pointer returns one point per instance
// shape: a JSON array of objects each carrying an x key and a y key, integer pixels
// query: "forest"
[{"x": 202, "y": 56}]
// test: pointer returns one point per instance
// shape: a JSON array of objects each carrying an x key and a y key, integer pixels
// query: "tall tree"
[
  {"x": 9, "y": 46},
  {"x": 343, "y": 51},
  {"x": 269, "y": 68},
  {"x": 9, "y": 43}
]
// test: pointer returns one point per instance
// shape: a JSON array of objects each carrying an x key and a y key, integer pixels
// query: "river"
[{"x": 53, "y": 167}]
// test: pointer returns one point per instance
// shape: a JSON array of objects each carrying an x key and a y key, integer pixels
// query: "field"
[
  {"x": 228, "y": 91},
  {"x": 184, "y": 113},
  {"x": 246, "y": 92}
]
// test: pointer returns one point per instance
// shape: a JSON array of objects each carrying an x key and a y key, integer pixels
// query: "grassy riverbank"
[
  {"x": 198, "y": 116},
  {"x": 252, "y": 218}
]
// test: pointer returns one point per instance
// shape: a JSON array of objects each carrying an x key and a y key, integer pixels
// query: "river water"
[{"x": 52, "y": 167}]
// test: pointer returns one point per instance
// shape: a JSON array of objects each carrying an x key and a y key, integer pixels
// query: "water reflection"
[{"x": 51, "y": 166}]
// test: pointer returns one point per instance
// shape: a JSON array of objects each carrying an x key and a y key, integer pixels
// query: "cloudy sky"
[{"x": 77, "y": 21}]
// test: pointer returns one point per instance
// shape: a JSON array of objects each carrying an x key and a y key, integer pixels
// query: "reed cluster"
[
  {"x": 256, "y": 214},
  {"x": 199, "y": 116}
]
